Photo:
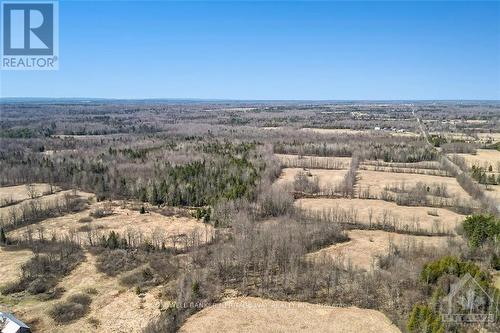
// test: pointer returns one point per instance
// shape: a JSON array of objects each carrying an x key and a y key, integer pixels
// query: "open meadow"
[{"x": 248, "y": 314}]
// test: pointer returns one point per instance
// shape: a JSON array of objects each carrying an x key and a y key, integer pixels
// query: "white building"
[{"x": 10, "y": 324}]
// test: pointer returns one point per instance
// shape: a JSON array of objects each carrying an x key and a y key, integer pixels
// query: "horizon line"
[{"x": 196, "y": 99}]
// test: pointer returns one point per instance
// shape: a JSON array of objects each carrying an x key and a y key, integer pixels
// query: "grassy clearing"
[
  {"x": 11, "y": 262},
  {"x": 250, "y": 314},
  {"x": 347, "y": 131},
  {"x": 328, "y": 180},
  {"x": 7, "y": 212},
  {"x": 376, "y": 181},
  {"x": 174, "y": 231},
  {"x": 366, "y": 246},
  {"x": 489, "y": 137},
  {"x": 113, "y": 308},
  {"x": 313, "y": 162},
  {"x": 483, "y": 158},
  {"x": 493, "y": 191},
  {"x": 370, "y": 212},
  {"x": 13, "y": 194}
]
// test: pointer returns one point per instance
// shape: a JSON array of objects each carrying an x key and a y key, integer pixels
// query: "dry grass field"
[
  {"x": 20, "y": 192},
  {"x": 416, "y": 165},
  {"x": 335, "y": 131},
  {"x": 493, "y": 191},
  {"x": 425, "y": 168},
  {"x": 327, "y": 179},
  {"x": 489, "y": 137},
  {"x": 384, "y": 212},
  {"x": 113, "y": 308},
  {"x": 86, "y": 137},
  {"x": 347, "y": 131},
  {"x": 483, "y": 158},
  {"x": 42, "y": 201},
  {"x": 10, "y": 264},
  {"x": 50, "y": 152},
  {"x": 454, "y": 136},
  {"x": 249, "y": 314},
  {"x": 366, "y": 246},
  {"x": 376, "y": 181},
  {"x": 319, "y": 162},
  {"x": 421, "y": 171},
  {"x": 175, "y": 231}
]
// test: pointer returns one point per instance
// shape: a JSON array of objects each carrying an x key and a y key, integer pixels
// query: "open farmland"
[
  {"x": 198, "y": 217},
  {"x": 11, "y": 262},
  {"x": 313, "y": 162},
  {"x": 114, "y": 308},
  {"x": 425, "y": 168},
  {"x": 493, "y": 191},
  {"x": 454, "y": 136},
  {"x": 384, "y": 213},
  {"x": 173, "y": 231},
  {"x": 366, "y": 247},
  {"x": 489, "y": 137},
  {"x": 484, "y": 158},
  {"x": 13, "y": 194},
  {"x": 248, "y": 314},
  {"x": 378, "y": 131},
  {"x": 335, "y": 131},
  {"x": 436, "y": 190},
  {"x": 376, "y": 182},
  {"x": 327, "y": 180},
  {"x": 14, "y": 213}
]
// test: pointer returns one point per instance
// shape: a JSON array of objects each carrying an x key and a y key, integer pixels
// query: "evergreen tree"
[
  {"x": 3, "y": 238},
  {"x": 113, "y": 240}
]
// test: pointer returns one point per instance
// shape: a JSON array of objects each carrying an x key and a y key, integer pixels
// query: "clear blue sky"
[{"x": 272, "y": 50}]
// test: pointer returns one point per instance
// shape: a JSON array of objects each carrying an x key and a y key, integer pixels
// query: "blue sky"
[{"x": 272, "y": 50}]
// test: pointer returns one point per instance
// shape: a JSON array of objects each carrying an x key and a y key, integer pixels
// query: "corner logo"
[
  {"x": 30, "y": 35},
  {"x": 468, "y": 302}
]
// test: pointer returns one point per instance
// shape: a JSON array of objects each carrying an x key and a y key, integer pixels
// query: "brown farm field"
[
  {"x": 42, "y": 202},
  {"x": 10, "y": 264},
  {"x": 365, "y": 247},
  {"x": 493, "y": 191},
  {"x": 483, "y": 158},
  {"x": 387, "y": 213},
  {"x": 22, "y": 192},
  {"x": 250, "y": 314},
  {"x": 313, "y": 162},
  {"x": 327, "y": 179},
  {"x": 375, "y": 182},
  {"x": 433, "y": 165},
  {"x": 421, "y": 171},
  {"x": 334, "y": 131},
  {"x": 346, "y": 131},
  {"x": 455, "y": 136},
  {"x": 489, "y": 137},
  {"x": 173, "y": 231},
  {"x": 114, "y": 308},
  {"x": 425, "y": 168}
]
